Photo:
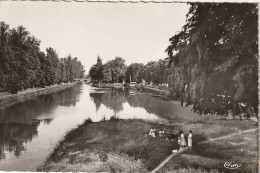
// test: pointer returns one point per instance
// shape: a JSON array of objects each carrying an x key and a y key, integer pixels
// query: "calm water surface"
[{"x": 30, "y": 130}]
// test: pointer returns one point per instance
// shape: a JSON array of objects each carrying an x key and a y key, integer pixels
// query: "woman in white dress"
[
  {"x": 190, "y": 139},
  {"x": 183, "y": 142}
]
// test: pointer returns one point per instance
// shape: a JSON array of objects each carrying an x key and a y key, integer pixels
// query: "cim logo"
[{"x": 232, "y": 165}]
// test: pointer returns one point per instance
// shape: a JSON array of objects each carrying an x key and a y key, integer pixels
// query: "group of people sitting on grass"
[{"x": 175, "y": 136}]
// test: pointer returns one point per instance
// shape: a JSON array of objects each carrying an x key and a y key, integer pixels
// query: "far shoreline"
[{"x": 12, "y": 99}]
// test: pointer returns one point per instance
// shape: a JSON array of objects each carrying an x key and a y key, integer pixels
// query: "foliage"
[
  {"x": 107, "y": 72},
  {"x": 216, "y": 63},
  {"x": 23, "y": 64},
  {"x": 118, "y": 69},
  {"x": 95, "y": 71},
  {"x": 156, "y": 72},
  {"x": 134, "y": 71},
  {"x": 112, "y": 71}
]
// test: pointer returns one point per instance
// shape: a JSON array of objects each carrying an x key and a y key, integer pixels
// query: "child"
[
  {"x": 152, "y": 132},
  {"x": 190, "y": 139},
  {"x": 183, "y": 142}
]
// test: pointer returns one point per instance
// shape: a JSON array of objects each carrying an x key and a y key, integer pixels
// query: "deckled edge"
[{"x": 148, "y": 1}]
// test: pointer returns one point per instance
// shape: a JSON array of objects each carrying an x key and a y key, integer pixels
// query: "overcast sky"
[{"x": 137, "y": 32}]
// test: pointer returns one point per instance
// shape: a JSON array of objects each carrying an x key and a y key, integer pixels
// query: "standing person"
[
  {"x": 183, "y": 142},
  {"x": 179, "y": 143},
  {"x": 190, "y": 139},
  {"x": 175, "y": 136}
]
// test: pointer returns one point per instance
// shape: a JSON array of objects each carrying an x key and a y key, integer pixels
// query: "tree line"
[
  {"x": 24, "y": 65},
  {"x": 116, "y": 70},
  {"x": 212, "y": 62}
]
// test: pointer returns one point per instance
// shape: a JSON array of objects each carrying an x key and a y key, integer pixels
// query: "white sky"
[{"x": 137, "y": 32}]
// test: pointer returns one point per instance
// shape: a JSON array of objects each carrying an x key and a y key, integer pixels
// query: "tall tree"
[
  {"x": 52, "y": 62},
  {"x": 23, "y": 65},
  {"x": 118, "y": 69},
  {"x": 96, "y": 70},
  {"x": 217, "y": 53},
  {"x": 107, "y": 72},
  {"x": 134, "y": 70}
]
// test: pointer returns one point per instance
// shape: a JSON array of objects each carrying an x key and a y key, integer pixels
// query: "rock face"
[{"x": 216, "y": 66}]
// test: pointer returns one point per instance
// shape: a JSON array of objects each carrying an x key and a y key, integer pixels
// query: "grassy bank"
[
  {"x": 137, "y": 86},
  {"x": 121, "y": 146},
  {"x": 11, "y": 99},
  {"x": 155, "y": 90},
  {"x": 114, "y": 145}
]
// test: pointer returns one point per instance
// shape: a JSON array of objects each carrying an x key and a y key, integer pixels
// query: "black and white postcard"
[{"x": 129, "y": 86}]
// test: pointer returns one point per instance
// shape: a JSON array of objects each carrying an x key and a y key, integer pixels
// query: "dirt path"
[
  {"x": 209, "y": 140},
  {"x": 167, "y": 159},
  {"x": 228, "y": 136}
]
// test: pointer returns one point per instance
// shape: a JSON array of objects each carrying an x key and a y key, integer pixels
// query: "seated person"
[
  {"x": 152, "y": 132},
  {"x": 174, "y": 136},
  {"x": 161, "y": 133}
]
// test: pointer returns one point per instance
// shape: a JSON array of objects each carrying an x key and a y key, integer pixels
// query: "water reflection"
[
  {"x": 47, "y": 121},
  {"x": 43, "y": 105},
  {"x": 15, "y": 135},
  {"x": 97, "y": 98},
  {"x": 113, "y": 99},
  {"x": 30, "y": 130},
  {"x": 116, "y": 97},
  {"x": 152, "y": 103},
  {"x": 19, "y": 123}
]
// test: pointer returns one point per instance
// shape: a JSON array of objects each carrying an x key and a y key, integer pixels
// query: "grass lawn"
[
  {"x": 114, "y": 145},
  {"x": 211, "y": 156},
  {"x": 121, "y": 146},
  {"x": 2, "y": 94}
]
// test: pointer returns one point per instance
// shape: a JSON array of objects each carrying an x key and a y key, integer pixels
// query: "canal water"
[{"x": 29, "y": 131}]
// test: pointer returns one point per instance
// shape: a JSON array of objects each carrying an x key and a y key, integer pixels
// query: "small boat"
[
  {"x": 132, "y": 84},
  {"x": 131, "y": 93},
  {"x": 118, "y": 85}
]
